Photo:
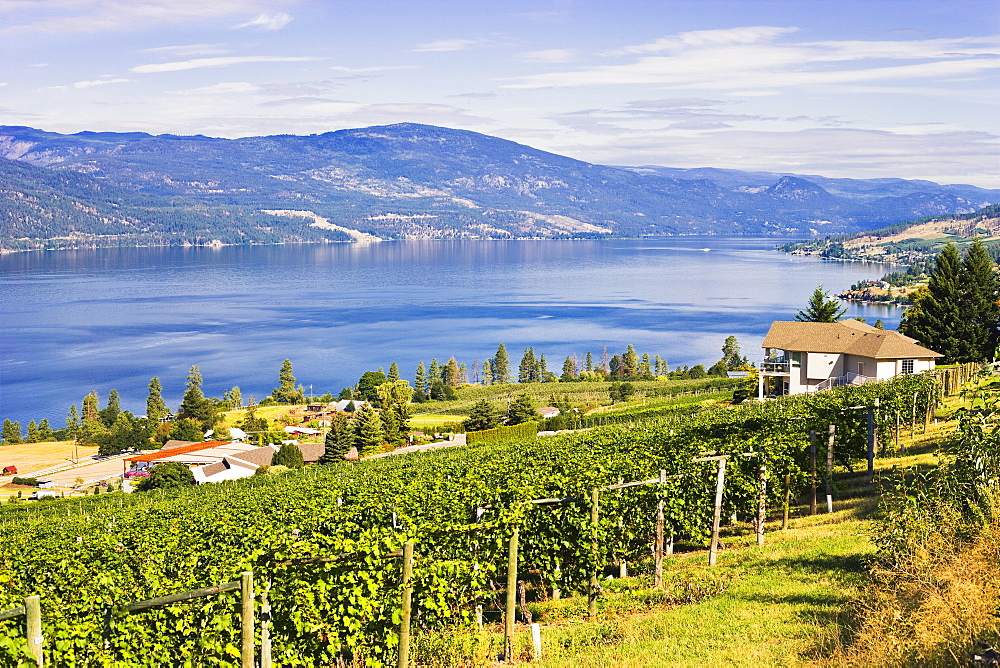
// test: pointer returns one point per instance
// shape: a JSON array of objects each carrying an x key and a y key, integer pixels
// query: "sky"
[{"x": 840, "y": 88}]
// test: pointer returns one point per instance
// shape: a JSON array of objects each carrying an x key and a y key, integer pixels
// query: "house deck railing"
[
  {"x": 776, "y": 365},
  {"x": 846, "y": 379}
]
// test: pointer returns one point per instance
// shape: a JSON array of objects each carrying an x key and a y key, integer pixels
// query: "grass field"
[{"x": 31, "y": 457}]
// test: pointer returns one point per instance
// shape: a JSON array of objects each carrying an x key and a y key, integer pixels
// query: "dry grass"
[
  {"x": 933, "y": 611},
  {"x": 31, "y": 457}
]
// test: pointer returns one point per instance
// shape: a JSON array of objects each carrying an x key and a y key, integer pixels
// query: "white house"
[{"x": 813, "y": 356}]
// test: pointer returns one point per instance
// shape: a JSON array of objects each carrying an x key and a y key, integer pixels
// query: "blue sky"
[{"x": 838, "y": 88}]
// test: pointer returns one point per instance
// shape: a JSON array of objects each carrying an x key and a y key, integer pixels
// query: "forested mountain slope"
[{"x": 404, "y": 181}]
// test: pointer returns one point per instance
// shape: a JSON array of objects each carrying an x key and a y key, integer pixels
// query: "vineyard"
[{"x": 324, "y": 545}]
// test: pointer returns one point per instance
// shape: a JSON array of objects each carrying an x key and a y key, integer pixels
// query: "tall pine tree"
[
  {"x": 935, "y": 319},
  {"x": 821, "y": 308},
  {"x": 979, "y": 290},
  {"x": 156, "y": 409},
  {"x": 501, "y": 366}
]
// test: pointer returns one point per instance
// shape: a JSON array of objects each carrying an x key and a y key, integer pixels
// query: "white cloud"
[
  {"x": 226, "y": 88},
  {"x": 707, "y": 38},
  {"x": 368, "y": 70},
  {"x": 748, "y": 59},
  {"x": 98, "y": 82},
  {"x": 187, "y": 50},
  {"x": 944, "y": 157},
  {"x": 549, "y": 56},
  {"x": 83, "y": 16},
  {"x": 447, "y": 45},
  {"x": 219, "y": 62},
  {"x": 267, "y": 21}
]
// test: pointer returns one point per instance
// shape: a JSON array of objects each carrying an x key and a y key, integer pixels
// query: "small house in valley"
[{"x": 812, "y": 356}]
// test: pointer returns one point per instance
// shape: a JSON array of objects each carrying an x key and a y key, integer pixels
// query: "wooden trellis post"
[
  {"x": 658, "y": 546},
  {"x": 510, "y": 608},
  {"x": 762, "y": 500},
  {"x": 407, "y": 605},
  {"x": 829, "y": 469},
  {"x": 812, "y": 471},
  {"x": 595, "y": 496},
  {"x": 717, "y": 514}
]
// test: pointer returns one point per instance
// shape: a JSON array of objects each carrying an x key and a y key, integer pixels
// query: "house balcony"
[{"x": 777, "y": 366}]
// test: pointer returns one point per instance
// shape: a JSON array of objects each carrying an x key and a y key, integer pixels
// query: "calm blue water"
[{"x": 73, "y": 322}]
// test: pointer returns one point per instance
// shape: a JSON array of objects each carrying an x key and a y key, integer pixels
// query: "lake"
[{"x": 76, "y": 321}]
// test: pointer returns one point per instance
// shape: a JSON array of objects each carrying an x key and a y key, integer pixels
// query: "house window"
[
  {"x": 906, "y": 366},
  {"x": 796, "y": 359},
  {"x": 861, "y": 368}
]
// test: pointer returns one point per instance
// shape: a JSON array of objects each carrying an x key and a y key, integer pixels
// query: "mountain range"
[{"x": 406, "y": 181}]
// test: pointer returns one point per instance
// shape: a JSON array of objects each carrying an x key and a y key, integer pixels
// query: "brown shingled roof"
[
  {"x": 257, "y": 457},
  {"x": 847, "y": 336}
]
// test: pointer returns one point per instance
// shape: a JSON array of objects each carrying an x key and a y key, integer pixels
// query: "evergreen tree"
[
  {"x": 420, "y": 378},
  {"x": 501, "y": 366},
  {"x": 463, "y": 374},
  {"x": 662, "y": 368},
  {"x": 73, "y": 422},
  {"x": 289, "y": 455},
  {"x": 11, "y": 433},
  {"x": 589, "y": 365},
  {"x": 32, "y": 435},
  {"x": 194, "y": 405},
  {"x": 156, "y": 409},
  {"x": 450, "y": 373},
  {"x": 483, "y": 415},
  {"x": 487, "y": 376},
  {"x": 110, "y": 414},
  {"x": 821, "y": 308},
  {"x": 233, "y": 398},
  {"x": 393, "y": 372},
  {"x": 91, "y": 410},
  {"x": 979, "y": 293},
  {"x": 527, "y": 371},
  {"x": 251, "y": 423},
  {"x": 369, "y": 434},
  {"x": 731, "y": 356},
  {"x": 339, "y": 440},
  {"x": 435, "y": 371},
  {"x": 629, "y": 368},
  {"x": 368, "y": 384},
  {"x": 646, "y": 367},
  {"x": 45, "y": 432},
  {"x": 394, "y": 398},
  {"x": 879, "y": 324},
  {"x": 522, "y": 409},
  {"x": 286, "y": 392},
  {"x": 615, "y": 367},
  {"x": 935, "y": 319},
  {"x": 568, "y": 370},
  {"x": 188, "y": 429},
  {"x": 127, "y": 433},
  {"x": 542, "y": 373}
]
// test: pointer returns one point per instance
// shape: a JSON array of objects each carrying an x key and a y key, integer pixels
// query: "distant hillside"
[
  {"x": 404, "y": 181},
  {"x": 910, "y": 242}
]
